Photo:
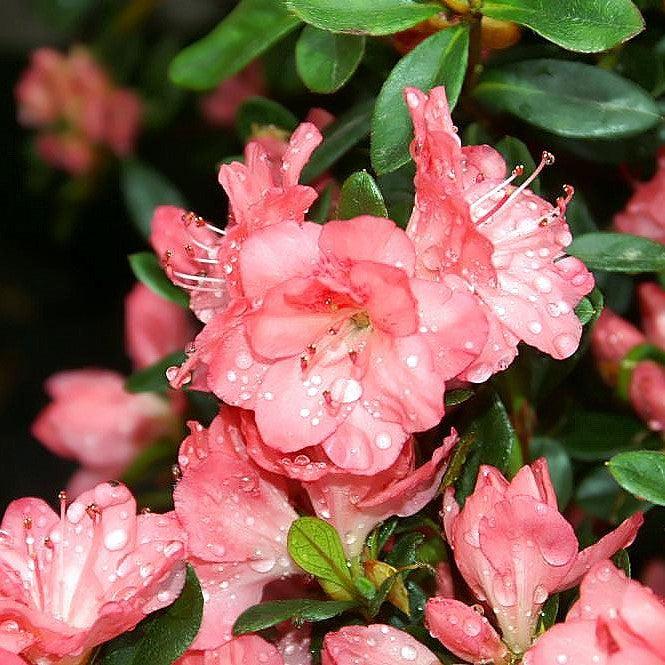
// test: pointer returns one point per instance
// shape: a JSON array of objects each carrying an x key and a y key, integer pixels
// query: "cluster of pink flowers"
[
  {"x": 614, "y": 337},
  {"x": 77, "y": 109}
]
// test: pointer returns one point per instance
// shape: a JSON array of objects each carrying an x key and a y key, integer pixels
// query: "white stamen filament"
[
  {"x": 517, "y": 171},
  {"x": 198, "y": 278},
  {"x": 214, "y": 229}
]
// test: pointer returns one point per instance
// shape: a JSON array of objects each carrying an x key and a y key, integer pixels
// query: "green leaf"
[
  {"x": 321, "y": 210},
  {"x": 325, "y": 60},
  {"x": 143, "y": 189},
  {"x": 548, "y": 613},
  {"x": 379, "y": 17},
  {"x": 398, "y": 192},
  {"x": 266, "y": 615},
  {"x": 622, "y": 561},
  {"x": 316, "y": 547},
  {"x": 590, "y": 307},
  {"x": 405, "y": 551},
  {"x": 589, "y": 26},
  {"x": 248, "y": 31},
  {"x": 456, "y": 397},
  {"x": 146, "y": 268},
  {"x": 597, "y": 436},
  {"x": 261, "y": 112},
  {"x": 158, "y": 456},
  {"x": 361, "y": 196},
  {"x": 569, "y": 99},
  {"x": 153, "y": 379},
  {"x": 618, "y": 252},
  {"x": 339, "y": 138},
  {"x": 558, "y": 461},
  {"x": 642, "y": 473},
  {"x": 440, "y": 60},
  {"x": 516, "y": 153}
]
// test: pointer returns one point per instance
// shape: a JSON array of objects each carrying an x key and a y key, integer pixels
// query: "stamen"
[
  {"x": 213, "y": 261},
  {"x": 214, "y": 229},
  {"x": 198, "y": 278},
  {"x": 94, "y": 513},
  {"x": 517, "y": 171}
]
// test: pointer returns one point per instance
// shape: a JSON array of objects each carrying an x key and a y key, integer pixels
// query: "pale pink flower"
[
  {"x": 221, "y": 105},
  {"x": 652, "y": 308},
  {"x": 244, "y": 650},
  {"x": 71, "y": 581},
  {"x": 514, "y": 548},
  {"x": 154, "y": 327},
  {"x": 67, "y": 151},
  {"x": 612, "y": 338},
  {"x": 237, "y": 521},
  {"x": 370, "y": 645},
  {"x": 95, "y": 421},
  {"x": 644, "y": 214},
  {"x": 464, "y": 631},
  {"x": 616, "y": 621},
  {"x": 354, "y": 504},
  {"x": 337, "y": 344},
  {"x": 202, "y": 258},
  {"x": 506, "y": 243},
  {"x": 647, "y": 394}
]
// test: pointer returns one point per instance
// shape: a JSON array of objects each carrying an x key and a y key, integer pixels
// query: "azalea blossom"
[
  {"x": 92, "y": 419},
  {"x": 73, "y": 580},
  {"x": 244, "y": 650},
  {"x": 514, "y": 548},
  {"x": 236, "y": 520},
  {"x": 615, "y": 621},
  {"x": 337, "y": 344},
  {"x": 377, "y": 643},
  {"x": 504, "y": 242}
]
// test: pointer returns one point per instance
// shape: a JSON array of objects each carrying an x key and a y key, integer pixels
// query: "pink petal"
[
  {"x": 613, "y": 337},
  {"x": 652, "y": 306},
  {"x": 573, "y": 643},
  {"x": 8, "y": 658},
  {"x": 647, "y": 387},
  {"x": 295, "y": 647},
  {"x": 644, "y": 614}
]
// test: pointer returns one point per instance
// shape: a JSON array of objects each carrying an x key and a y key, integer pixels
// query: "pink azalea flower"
[
  {"x": 337, "y": 344},
  {"x": 370, "y": 645},
  {"x": 647, "y": 394},
  {"x": 237, "y": 521},
  {"x": 464, "y": 631},
  {"x": 652, "y": 307},
  {"x": 514, "y": 548},
  {"x": 644, "y": 214},
  {"x": 71, "y": 581},
  {"x": 294, "y": 647},
  {"x": 154, "y": 327},
  {"x": 202, "y": 258},
  {"x": 616, "y": 621},
  {"x": 93, "y": 420},
  {"x": 506, "y": 243},
  {"x": 245, "y": 650},
  {"x": 354, "y": 504},
  {"x": 612, "y": 338}
]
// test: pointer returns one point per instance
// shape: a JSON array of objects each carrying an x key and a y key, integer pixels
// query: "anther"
[
  {"x": 176, "y": 472},
  {"x": 93, "y": 511}
]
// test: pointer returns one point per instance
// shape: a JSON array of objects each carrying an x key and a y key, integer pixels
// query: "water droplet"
[
  {"x": 262, "y": 566},
  {"x": 565, "y": 344},
  {"x": 412, "y": 361},
  {"x": 408, "y": 652},
  {"x": 383, "y": 441},
  {"x": 346, "y": 390},
  {"x": 472, "y": 627},
  {"x": 115, "y": 540},
  {"x": 535, "y": 327},
  {"x": 540, "y": 595}
]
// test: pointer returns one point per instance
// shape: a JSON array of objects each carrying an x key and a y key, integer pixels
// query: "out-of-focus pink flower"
[
  {"x": 71, "y": 581},
  {"x": 245, "y": 650},
  {"x": 294, "y": 646},
  {"x": 506, "y": 243},
  {"x": 93, "y": 420},
  {"x": 464, "y": 631},
  {"x": 237, "y": 522},
  {"x": 377, "y": 643},
  {"x": 514, "y": 548},
  {"x": 354, "y": 504},
  {"x": 652, "y": 307},
  {"x": 445, "y": 585},
  {"x": 653, "y": 576},
  {"x": 612, "y": 338},
  {"x": 644, "y": 214},
  {"x": 615, "y": 621},
  {"x": 337, "y": 344},
  {"x": 154, "y": 327},
  {"x": 78, "y": 109},
  {"x": 221, "y": 105},
  {"x": 647, "y": 394}
]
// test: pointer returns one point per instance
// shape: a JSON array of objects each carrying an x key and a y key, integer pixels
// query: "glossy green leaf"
[
  {"x": 588, "y": 26},
  {"x": 405, "y": 551},
  {"x": 349, "y": 129},
  {"x": 361, "y": 196},
  {"x": 440, "y": 60},
  {"x": 618, "y": 252},
  {"x": 322, "y": 208},
  {"x": 153, "y": 379},
  {"x": 248, "y": 31},
  {"x": 266, "y": 615},
  {"x": 143, "y": 189},
  {"x": 516, "y": 153},
  {"x": 146, "y": 268},
  {"x": 558, "y": 461},
  {"x": 260, "y": 112},
  {"x": 455, "y": 397},
  {"x": 325, "y": 60},
  {"x": 379, "y": 17},
  {"x": 641, "y": 473},
  {"x": 590, "y": 307},
  {"x": 569, "y": 99}
]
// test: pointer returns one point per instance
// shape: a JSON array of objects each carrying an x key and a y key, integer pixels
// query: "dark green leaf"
[
  {"x": 622, "y": 561},
  {"x": 157, "y": 456},
  {"x": 548, "y": 613},
  {"x": 590, "y": 307},
  {"x": 249, "y": 30},
  {"x": 325, "y": 60},
  {"x": 618, "y": 252},
  {"x": 153, "y": 379},
  {"x": 338, "y": 139},
  {"x": 440, "y": 60},
  {"x": 398, "y": 192},
  {"x": 361, "y": 196},
  {"x": 260, "y": 112},
  {"x": 561, "y": 470},
  {"x": 146, "y": 268},
  {"x": 589, "y": 26},
  {"x": 455, "y": 397},
  {"x": 570, "y": 99},
  {"x": 642, "y": 473},
  {"x": 516, "y": 153},
  {"x": 379, "y": 17},
  {"x": 265, "y": 615},
  {"x": 321, "y": 210},
  {"x": 405, "y": 551}
]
